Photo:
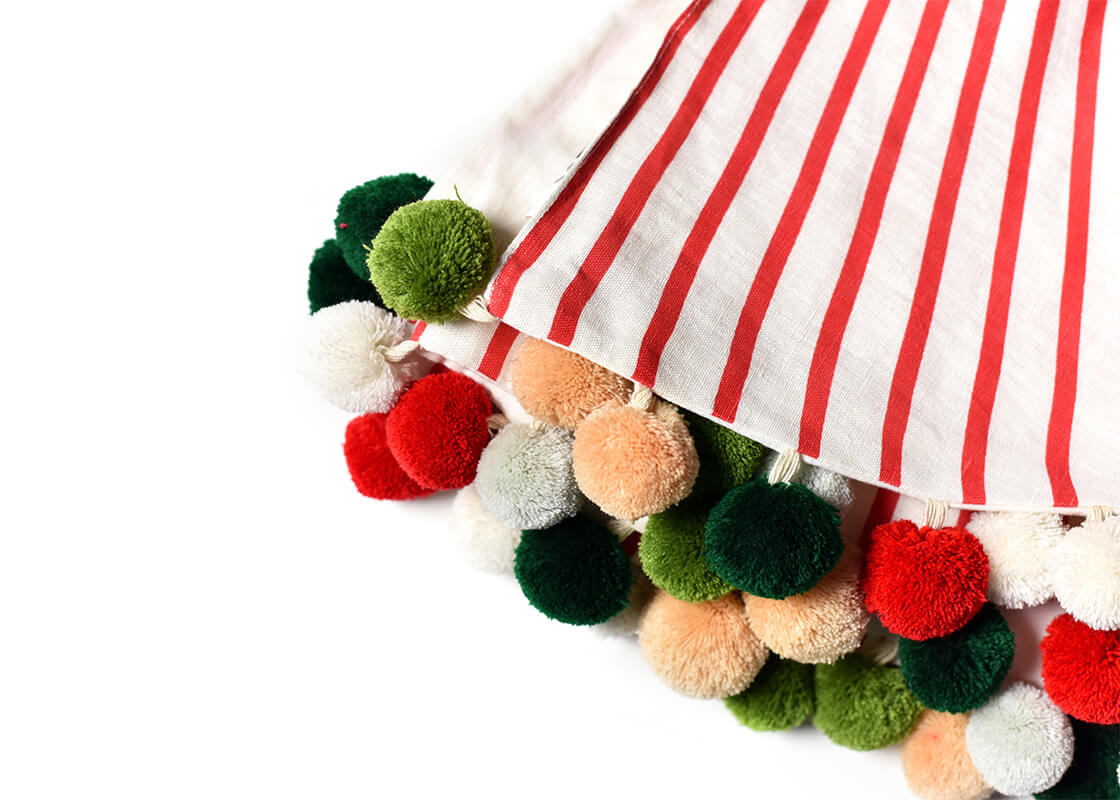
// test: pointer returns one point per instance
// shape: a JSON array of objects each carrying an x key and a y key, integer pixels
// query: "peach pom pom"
[
  {"x": 819, "y": 626},
  {"x": 560, "y": 387},
  {"x": 701, "y": 649},
  {"x": 632, "y": 463},
  {"x": 936, "y": 763}
]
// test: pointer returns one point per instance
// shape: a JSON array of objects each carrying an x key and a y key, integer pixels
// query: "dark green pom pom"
[
  {"x": 430, "y": 258},
  {"x": 1092, "y": 775},
  {"x": 959, "y": 672},
  {"x": 727, "y": 458},
  {"x": 779, "y": 698},
  {"x": 863, "y": 706},
  {"x": 672, "y": 554},
  {"x": 772, "y": 540},
  {"x": 363, "y": 210},
  {"x": 574, "y": 572},
  {"x": 331, "y": 282}
]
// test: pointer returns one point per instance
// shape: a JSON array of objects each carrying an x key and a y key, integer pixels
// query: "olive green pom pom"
[
  {"x": 430, "y": 258},
  {"x": 1092, "y": 775},
  {"x": 772, "y": 540},
  {"x": 863, "y": 706},
  {"x": 331, "y": 282},
  {"x": 574, "y": 572},
  {"x": 779, "y": 698},
  {"x": 672, "y": 552},
  {"x": 363, "y": 210},
  {"x": 959, "y": 672},
  {"x": 727, "y": 458}
]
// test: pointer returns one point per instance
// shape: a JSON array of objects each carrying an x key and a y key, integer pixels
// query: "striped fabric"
[{"x": 876, "y": 232}]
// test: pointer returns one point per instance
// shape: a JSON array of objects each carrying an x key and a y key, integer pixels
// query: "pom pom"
[
  {"x": 562, "y": 388},
  {"x": 481, "y": 538},
  {"x": 632, "y": 463},
  {"x": 863, "y": 706},
  {"x": 959, "y": 672},
  {"x": 373, "y": 468},
  {"x": 438, "y": 430},
  {"x": 1020, "y": 741},
  {"x": 1081, "y": 670},
  {"x": 821, "y": 625},
  {"x": 625, "y": 622},
  {"x": 832, "y": 487},
  {"x": 575, "y": 572},
  {"x": 1096, "y": 758},
  {"x": 700, "y": 649},
  {"x": 525, "y": 477},
  {"x": 672, "y": 554},
  {"x": 330, "y": 280},
  {"x": 1020, "y": 548},
  {"x": 727, "y": 458},
  {"x": 779, "y": 698},
  {"x": 1086, "y": 572},
  {"x": 363, "y": 210},
  {"x": 430, "y": 258},
  {"x": 936, "y": 763},
  {"x": 924, "y": 582},
  {"x": 344, "y": 357},
  {"x": 773, "y": 540}
]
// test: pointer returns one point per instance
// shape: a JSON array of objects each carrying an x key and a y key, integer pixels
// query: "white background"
[{"x": 194, "y": 602}]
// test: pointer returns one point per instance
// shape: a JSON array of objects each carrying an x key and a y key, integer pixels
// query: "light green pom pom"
[
  {"x": 863, "y": 706},
  {"x": 672, "y": 554},
  {"x": 779, "y": 698},
  {"x": 430, "y": 258}
]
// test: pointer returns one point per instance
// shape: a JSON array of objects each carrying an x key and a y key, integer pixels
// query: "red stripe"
[
  {"x": 700, "y": 238},
  {"x": 974, "y": 454},
  {"x": 418, "y": 330},
  {"x": 789, "y": 226},
  {"x": 880, "y": 513},
  {"x": 618, "y": 227},
  {"x": 937, "y": 241},
  {"x": 497, "y": 351},
  {"x": 550, "y": 223},
  {"x": 1073, "y": 279},
  {"x": 964, "y": 516},
  {"x": 827, "y": 351}
]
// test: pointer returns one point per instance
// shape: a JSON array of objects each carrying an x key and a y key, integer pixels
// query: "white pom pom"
[
  {"x": 344, "y": 357},
  {"x": 832, "y": 487},
  {"x": 1020, "y": 548},
  {"x": 625, "y": 622},
  {"x": 1020, "y": 741},
  {"x": 1086, "y": 573},
  {"x": 483, "y": 540},
  {"x": 525, "y": 477}
]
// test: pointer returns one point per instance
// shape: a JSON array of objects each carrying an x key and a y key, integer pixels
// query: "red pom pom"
[
  {"x": 1081, "y": 670},
  {"x": 372, "y": 467},
  {"x": 437, "y": 430},
  {"x": 924, "y": 582}
]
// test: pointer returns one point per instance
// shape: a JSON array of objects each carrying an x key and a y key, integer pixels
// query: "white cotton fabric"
[{"x": 614, "y": 321}]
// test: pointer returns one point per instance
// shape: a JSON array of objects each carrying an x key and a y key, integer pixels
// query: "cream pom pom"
[
  {"x": 1020, "y": 548},
  {"x": 701, "y": 649},
  {"x": 832, "y": 487},
  {"x": 936, "y": 762},
  {"x": 1086, "y": 573},
  {"x": 484, "y": 542},
  {"x": 525, "y": 477},
  {"x": 819, "y": 626},
  {"x": 1020, "y": 741},
  {"x": 345, "y": 360}
]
